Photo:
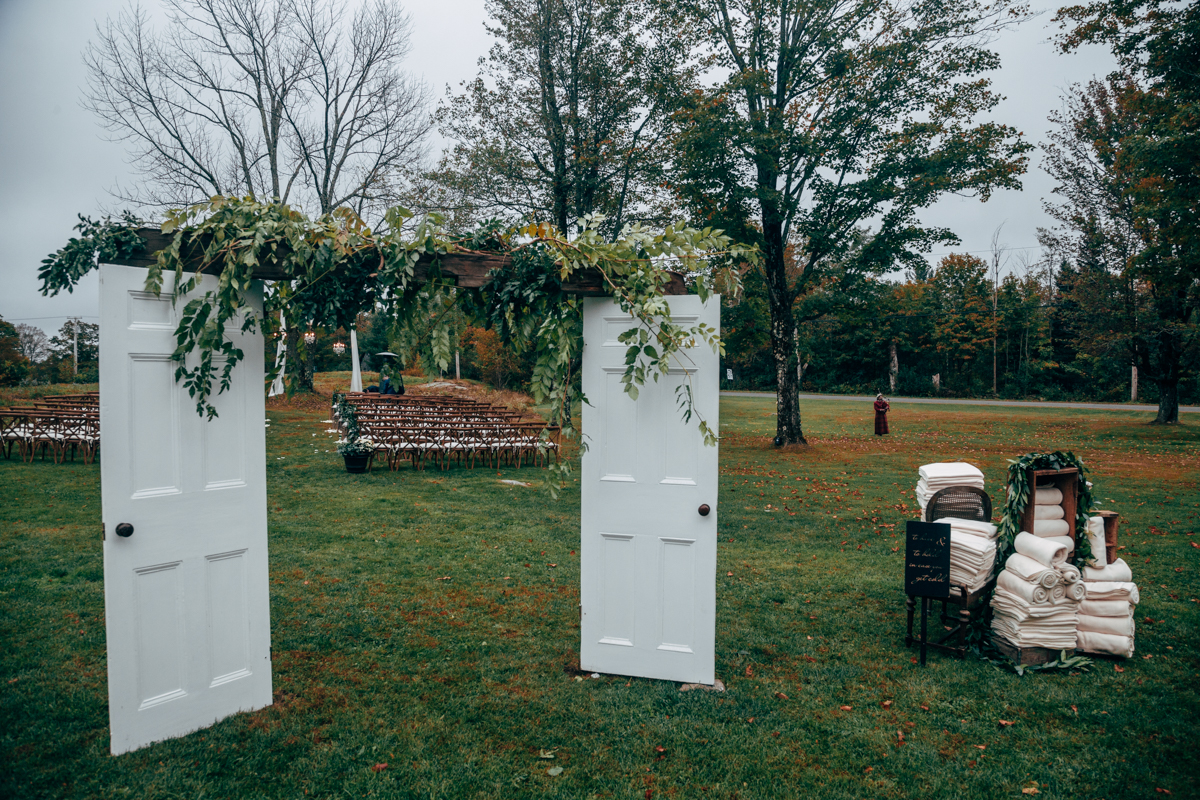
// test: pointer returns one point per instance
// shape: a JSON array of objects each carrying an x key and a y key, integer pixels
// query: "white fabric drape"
[{"x": 356, "y": 373}]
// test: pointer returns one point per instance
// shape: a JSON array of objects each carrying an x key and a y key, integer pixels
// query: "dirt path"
[{"x": 957, "y": 402}]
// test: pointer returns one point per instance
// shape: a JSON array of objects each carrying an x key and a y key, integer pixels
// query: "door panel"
[
  {"x": 186, "y": 595},
  {"x": 648, "y": 558}
]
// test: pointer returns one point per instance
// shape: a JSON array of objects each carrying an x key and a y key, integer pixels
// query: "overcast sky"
[{"x": 56, "y": 162}]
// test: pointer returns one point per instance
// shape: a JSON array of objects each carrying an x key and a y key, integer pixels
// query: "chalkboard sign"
[{"x": 927, "y": 560}]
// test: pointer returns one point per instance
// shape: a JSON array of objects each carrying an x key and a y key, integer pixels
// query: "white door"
[
  {"x": 185, "y": 594},
  {"x": 648, "y": 557}
]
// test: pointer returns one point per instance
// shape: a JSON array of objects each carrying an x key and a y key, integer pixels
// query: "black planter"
[{"x": 356, "y": 462}]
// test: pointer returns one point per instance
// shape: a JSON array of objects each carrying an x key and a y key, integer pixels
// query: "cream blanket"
[
  {"x": 1031, "y": 593},
  {"x": 1045, "y": 551},
  {"x": 1105, "y": 608},
  {"x": 1065, "y": 541},
  {"x": 1051, "y": 527},
  {"x": 1033, "y": 571},
  {"x": 1116, "y": 571},
  {"x": 951, "y": 473},
  {"x": 1048, "y": 496},
  {"x": 1047, "y": 512},
  {"x": 1114, "y": 626},
  {"x": 1070, "y": 573},
  {"x": 1112, "y": 590},
  {"x": 1092, "y": 642},
  {"x": 983, "y": 529}
]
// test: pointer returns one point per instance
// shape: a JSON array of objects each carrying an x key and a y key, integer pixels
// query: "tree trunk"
[
  {"x": 1168, "y": 403},
  {"x": 893, "y": 366},
  {"x": 788, "y": 429},
  {"x": 300, "y": 368}
]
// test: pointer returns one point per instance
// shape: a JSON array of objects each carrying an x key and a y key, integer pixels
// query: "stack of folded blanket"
[
  {"x": 1049, "y": 519},
  {"x": 935, "y": 477},
  {"x": 1037, "y": 595},
  {"x": 1106, "y": 614},
  {"x": 972, "y": 553}
]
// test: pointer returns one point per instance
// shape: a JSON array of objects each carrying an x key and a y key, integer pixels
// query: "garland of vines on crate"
[
  {"x": 337, "y": 267},
  {"x": 1020, "y": 494}
]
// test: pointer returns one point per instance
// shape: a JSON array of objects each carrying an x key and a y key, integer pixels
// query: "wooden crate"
[
  {"x": 1028, "y": 656},
  {"x": 1067, "y": 482}
]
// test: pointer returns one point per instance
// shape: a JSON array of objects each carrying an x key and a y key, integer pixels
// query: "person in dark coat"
[{"x": 881, "y": 409}]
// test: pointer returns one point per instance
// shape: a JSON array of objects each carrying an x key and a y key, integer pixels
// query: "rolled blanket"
[
  {"x": 1075, "y": 593},
  {"x": 1029, "y": 592},
  {"x": 1033, "y": 571},
  {"x": 1092, "y": 642},
  {"x": 1113, "y": 626},
  {"x": 1095, "y": 532},
  {"x": 1051, "y": 527},
  {"x": 1070, "y": 573},
  {"x": 1044, "y": 551},
  {"x": 1105, "y": 608},
  {"x": 1112, "y": 590},
  {"x": 1047, "y": 512},
  {"x": 1065, "y": 541},
  {"x": 1047, "y": 496},
  {"x": 1116, "y": 571},
  {"x": 1058, "y": 594}
]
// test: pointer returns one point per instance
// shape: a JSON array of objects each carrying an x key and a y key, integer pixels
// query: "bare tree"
[
  {"x": 299, "y": 100},
  {"x": 32, "y": 342}
]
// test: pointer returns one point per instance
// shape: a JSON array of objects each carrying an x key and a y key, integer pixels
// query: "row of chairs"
[
  {"x": 57, "y": 425},
  {"x": 446, "y": 429}
]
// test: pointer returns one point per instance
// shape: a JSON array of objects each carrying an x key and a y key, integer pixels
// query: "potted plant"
[{"x": 356, "y": 450}]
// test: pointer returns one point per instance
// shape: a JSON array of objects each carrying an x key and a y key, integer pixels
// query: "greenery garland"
[
  {"x": 335, "y": 267},
  {"x": 1019, "y": 495}
]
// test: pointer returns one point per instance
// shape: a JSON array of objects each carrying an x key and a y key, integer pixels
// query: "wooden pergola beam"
[{"x": 469, "y": 269}]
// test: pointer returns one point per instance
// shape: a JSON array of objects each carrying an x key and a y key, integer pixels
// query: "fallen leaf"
[
  {"x": 545, "y": 754},
  {"x": 869, "y": 769},
  {"x": 660, "y": 749},
  {"x": 729, "y": 574},
  {"x": 924, "y": 707},
  {"x": 554, "y": 565},
  {"x": 1164, "y": 791},
  {"x": 1005, "y": 723},
  {"x": 1030, "y": 790},
  {"x": 1118, "y": 668},
  {"x": 554, "y": 771},
  {"x": 847, "y": 708},
  {"x": 1076, "y": 710},
  {"x": 444, "y": 578},
  {"x": 379, "y": 768},
  {"x": 980, "y": 746},
  {"x": 749, "y": 672},
  {"x": 781, "y": 695},
  {"x": 886, "y": 704}
]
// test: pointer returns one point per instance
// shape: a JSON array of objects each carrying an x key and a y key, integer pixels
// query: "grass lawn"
[{"x": 429, "y": 621}]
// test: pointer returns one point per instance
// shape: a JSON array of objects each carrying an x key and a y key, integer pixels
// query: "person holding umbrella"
[{"x": 881, "y": 408}]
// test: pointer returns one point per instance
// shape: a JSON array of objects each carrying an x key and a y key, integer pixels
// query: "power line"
[{"x": 59, "y": 316}]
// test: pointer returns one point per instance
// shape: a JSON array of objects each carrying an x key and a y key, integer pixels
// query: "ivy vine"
[
  {"x": 1020, "y": 494},
  {"x": 335, "y": 267}
]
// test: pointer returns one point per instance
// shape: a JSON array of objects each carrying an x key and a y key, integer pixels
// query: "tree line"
[{"x": 816, "y": 129}]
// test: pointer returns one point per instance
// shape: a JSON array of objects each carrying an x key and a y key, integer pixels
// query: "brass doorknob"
[
  {"x": 124, "y": 530},
  {"x": 704, "y": 509}
]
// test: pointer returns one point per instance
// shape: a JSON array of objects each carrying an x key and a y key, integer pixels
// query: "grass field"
[{"x": 429, "y": 621}]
